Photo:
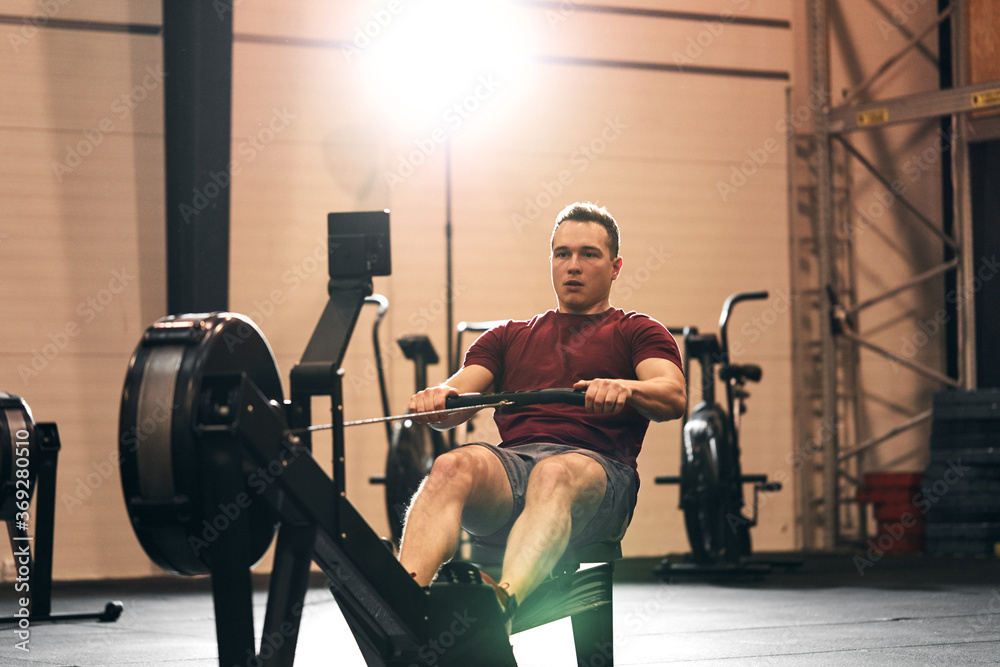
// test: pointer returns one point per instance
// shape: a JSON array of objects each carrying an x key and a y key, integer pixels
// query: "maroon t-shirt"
[{"x": 556, "y": 350}]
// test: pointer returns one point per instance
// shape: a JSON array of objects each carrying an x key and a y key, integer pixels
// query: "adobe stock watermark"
[
  {"x": 223, "y": 7},
  {"x": 292, "y": 279},
  {"x": 634, "y": 623},
  {"x": 271, "y": 642},
  {"x": 263, "y": 308},
  {"x": 228, "y": 513},
  {"x": 931, "y": 493},
  {"x": 452, "y": 119},
  {"x": 30, "y": 26},
  {"x": 427, "y": 314},
  {"x": 757, "y": 325},
  {"x": 928, "y": 329},
  {"x": 741, "y": 174},
  {"x": 431, "y": 652},
  {"x": 986, "y": 621},
  {"x": 365, "y": 34},
  {"x": 217, "y": 182},
  {"x": 885, "y": 198},
  {"x": 87, "y": 311},
  {"x": 696, "y": 45},
  {"x": 103, "y": 469},
  {"x": 121, "y": 108},
  {"x": 901, "y": 14},
  {"x": 562, "y": 12},
  {"x": 580, "y": 160},
  {"x": 631, "y": 280}
]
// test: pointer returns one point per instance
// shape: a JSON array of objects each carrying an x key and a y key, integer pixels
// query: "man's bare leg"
[
  {"x": 564, "y": 492},
  {"x": 467, "y": 486}
]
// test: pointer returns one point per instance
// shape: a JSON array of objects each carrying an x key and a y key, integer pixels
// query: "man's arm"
[
  {"x": 658, "y": 394},
  {"x": 472, "y": 379}
]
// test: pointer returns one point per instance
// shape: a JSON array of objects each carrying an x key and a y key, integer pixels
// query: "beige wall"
[{"x": 81, "y": 251}]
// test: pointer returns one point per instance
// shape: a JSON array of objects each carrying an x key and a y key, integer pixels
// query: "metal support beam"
[
  {"x": 965, "y": 307},
  {"x": 919, "y": 106},
  {"x": 826, "y": 339},
  {"x": 924, "y": 220},
  {"x": 914, "y": 421},
  {"x": 909, "y": 284},
  {"x": 197, "y": 59},
  {"x": 902, "y": 361},
  {"x": 820, "y": 80},
  {"x": 895, "y": 58}
]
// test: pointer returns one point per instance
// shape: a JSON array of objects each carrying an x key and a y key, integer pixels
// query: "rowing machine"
[
  {"x": 214, "y": 459},
  {"x": 29, "y": 457}
]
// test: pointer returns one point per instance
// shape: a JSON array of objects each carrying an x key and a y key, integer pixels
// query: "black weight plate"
[
  {"x": 159, "y": 447},
  {"x": 980, "y": 456}
]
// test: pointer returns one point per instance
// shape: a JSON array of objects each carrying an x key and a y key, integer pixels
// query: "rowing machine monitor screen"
[{"x": 359, "y": 244}]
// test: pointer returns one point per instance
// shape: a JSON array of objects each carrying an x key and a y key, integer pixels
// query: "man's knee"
[
  {"x": 579, "y": 477},
  {"x": 460, "y": 471},
  {"x": 452, "y": 470}
]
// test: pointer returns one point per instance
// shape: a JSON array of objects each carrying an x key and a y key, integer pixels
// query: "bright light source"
[{"x": 436, "y": 53}]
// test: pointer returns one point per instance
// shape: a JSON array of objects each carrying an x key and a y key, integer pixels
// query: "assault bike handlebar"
[{"x": 724, "y": 317}]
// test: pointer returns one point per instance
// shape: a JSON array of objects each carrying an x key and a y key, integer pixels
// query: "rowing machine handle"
[{"x": 519, "y": 398}]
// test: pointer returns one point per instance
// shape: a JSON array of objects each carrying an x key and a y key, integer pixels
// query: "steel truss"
[{"x": 830, "y": 457}]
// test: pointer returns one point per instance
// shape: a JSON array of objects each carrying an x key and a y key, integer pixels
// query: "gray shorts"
[{"x": 614, "y": 513}]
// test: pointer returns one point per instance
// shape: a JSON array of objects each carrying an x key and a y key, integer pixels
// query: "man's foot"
[
  {"x": 506, "y": 600},
  {"x": 460, "y": 572}
]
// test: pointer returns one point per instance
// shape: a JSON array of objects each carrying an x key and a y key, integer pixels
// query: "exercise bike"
[
  {"x": 412, "y": 446},
  {"x": 711, "y": 477}
]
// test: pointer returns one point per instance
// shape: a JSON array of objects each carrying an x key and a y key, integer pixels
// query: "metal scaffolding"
[{"x": 832, "y": 456}]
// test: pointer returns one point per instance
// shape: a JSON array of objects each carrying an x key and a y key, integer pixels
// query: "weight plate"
[{"x": 160, "y": 448}]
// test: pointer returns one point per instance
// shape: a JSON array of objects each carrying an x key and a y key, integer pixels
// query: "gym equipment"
[
  {"x": 29, "y": 457},
  {"x": 383, "y": 307},
  {"x": 711, "y": 479},
  {"x": 414, "y": 446},
  {"x": 214, "y": 459}
]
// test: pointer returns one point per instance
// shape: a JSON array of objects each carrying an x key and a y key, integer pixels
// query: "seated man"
[{"x": 563, "y": 474}]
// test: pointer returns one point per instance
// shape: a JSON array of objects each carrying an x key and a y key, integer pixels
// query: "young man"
[{"x": 562, "y": 473}]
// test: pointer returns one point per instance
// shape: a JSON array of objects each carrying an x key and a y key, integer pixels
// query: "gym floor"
[{"x": 832, "y": 610}]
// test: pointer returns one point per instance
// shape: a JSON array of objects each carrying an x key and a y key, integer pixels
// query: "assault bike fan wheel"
[
  {"x": 710, "y": 488},
  {"x": 159, "y": 443},
  {"x": 700, "y": 477}
]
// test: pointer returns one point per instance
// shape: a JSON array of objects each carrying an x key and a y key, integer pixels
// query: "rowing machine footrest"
[
  {"x": 465, "y": 627},
  {"x": 582, "y": 593}
]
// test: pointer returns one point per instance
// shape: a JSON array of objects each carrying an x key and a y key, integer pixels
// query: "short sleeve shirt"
[{"x": 556, "y": 350}]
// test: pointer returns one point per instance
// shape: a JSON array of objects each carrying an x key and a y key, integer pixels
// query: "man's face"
[{"x": 582, "y": 267}]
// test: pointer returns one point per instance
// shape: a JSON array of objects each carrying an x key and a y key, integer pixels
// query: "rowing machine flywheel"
[
  {"x": 18, "y": 455},
  {"x": 164, "y": 476}
]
